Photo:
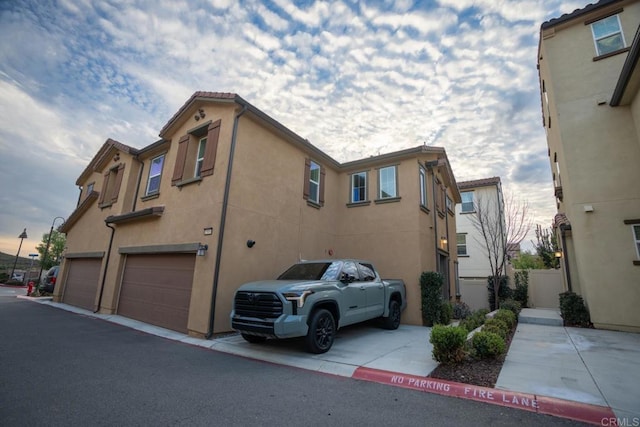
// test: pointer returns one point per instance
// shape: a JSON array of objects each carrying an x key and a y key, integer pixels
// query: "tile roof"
[
  {"x": 576, "y": 13},
  {"x": 484, "y": 182}
]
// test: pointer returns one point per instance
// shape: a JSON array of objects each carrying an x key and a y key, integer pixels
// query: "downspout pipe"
[
  {"x": 135, "y": 196},
  {"x": 223, "y": 218},
  {"x": 106, "y": 266}
]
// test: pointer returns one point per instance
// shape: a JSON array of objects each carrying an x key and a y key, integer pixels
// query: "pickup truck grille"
[{"x": 263, "y": 305}]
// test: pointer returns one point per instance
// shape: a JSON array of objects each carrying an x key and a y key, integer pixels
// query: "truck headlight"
[{"x": 298, "y": 297}]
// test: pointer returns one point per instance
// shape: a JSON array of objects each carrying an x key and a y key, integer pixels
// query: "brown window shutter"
[
  {"x": 103, "y": 192},
  {"x": 307, "y": 174},
  {"x": 117, "y": 183},
  {"x": 178, "y": 170},
  {"x": 321, "y": 195},
  {"x": 210, "y": 150}
]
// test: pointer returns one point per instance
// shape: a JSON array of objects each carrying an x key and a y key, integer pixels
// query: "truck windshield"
[{"x": 312, "y": 271}]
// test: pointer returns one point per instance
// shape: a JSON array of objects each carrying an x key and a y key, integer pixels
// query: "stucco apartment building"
[
  {"x": 473, "y": 259},
  {"x": 589, "y": 82},
  {"x": 166, "y": 234}
]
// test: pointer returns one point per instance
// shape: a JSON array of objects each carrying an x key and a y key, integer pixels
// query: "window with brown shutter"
[
  {"x": 313, "y": 186},
  {"x": 178, "y": 170},
  {"x": 111, "y": 186},
  {"x": 213, "y": 134},
  {"x": 197, "y": 152}
]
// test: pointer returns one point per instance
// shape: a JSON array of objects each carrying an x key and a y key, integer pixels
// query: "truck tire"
[
  {"x": 254, "y": 339},
  {"x": 322, "y": 331},
  {"x": 393, "y": 320}
]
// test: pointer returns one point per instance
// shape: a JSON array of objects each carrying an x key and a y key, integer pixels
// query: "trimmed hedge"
[
  {"x": 513, "y": 305},
  {"x": 496, "y": 326},
  {"x": 434, "y": 309},
  {"x": 474, "y": 321},
  {"x": 488, "y": 345},
  {"x": 461, "y": 310},
  {"x": 507, "y": 316},
  {"x": 448, "y": 344},
  {"x": 573, "y": 310}
]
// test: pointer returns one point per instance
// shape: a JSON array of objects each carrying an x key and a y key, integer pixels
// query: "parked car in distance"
[
  {"x": 19, "y": 276},
  {"x": 313, "y": 299},
  {"x": 49, "y": 282}
]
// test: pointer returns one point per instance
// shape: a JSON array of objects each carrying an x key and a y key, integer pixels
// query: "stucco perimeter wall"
[
  {"x": 545, "y": 286},
  {"x": 474, "y": 293}
]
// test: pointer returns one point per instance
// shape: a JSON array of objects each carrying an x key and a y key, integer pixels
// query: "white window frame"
[
  {"x": 464, "y": 245},
  {"x": 607, "y": 35},
  {"x": 314, "y": 192},
  {"x": 462, "y": 205},
  {"x": 636, "y": 238},
  {"x": 363, "y": 175},
  {"x": 158, "y": 175},
  {"x": 202, "y": 147},
  {"x": 381, "y": 171},
  {"x": 423, "y": 187}
]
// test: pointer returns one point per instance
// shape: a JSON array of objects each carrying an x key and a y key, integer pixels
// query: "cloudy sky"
[{"x": 355, "y": 78}]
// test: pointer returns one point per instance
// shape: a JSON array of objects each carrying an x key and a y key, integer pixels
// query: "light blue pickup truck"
[{"x": 313, "y": 299}]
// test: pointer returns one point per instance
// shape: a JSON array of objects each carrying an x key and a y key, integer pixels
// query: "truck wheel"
[
  {"x": 322, "y": 330},
  {"x": 393, "y": 321},
  {"x": 254, "y": 339}
]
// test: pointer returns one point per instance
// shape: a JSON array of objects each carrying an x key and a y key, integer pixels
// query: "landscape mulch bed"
[{"x": 474, "y": 371}]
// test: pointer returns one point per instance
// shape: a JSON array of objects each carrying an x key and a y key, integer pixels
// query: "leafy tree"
[
  {"x": 527, "y": 261},
  {"x": 56, "y": 247},
  {"x": 547, "y": 246}
]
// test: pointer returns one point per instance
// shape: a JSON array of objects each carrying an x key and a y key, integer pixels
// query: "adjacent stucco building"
[
  {"x": 166, "y": 234},
  {"x": 589, "y": 82},
  {"x": 473, "y": 258}
]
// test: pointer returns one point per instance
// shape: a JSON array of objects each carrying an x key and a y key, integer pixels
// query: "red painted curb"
[{"x": 545, "y": 405}]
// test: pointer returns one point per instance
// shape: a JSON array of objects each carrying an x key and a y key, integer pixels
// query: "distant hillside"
[{"x": 7, "y": 260}]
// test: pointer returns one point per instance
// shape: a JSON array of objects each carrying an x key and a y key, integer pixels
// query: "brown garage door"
[
  {"x": 156, "y": 289},
  {"x": 82, "y": 282}
]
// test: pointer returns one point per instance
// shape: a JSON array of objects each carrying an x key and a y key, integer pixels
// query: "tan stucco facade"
[
  {"x": 594, "y": 151},
  {"x": 261, "y": 200}
]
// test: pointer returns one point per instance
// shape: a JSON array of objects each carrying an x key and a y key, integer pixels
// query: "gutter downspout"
[
  {"x": 566, "y": 260},
  {"x": 223, "y": 218},
  {"x": 106, "y": 266},
  {"x": 135, "y": 196}
]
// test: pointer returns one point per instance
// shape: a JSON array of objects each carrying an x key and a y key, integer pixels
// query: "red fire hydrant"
[{"x": 29, "y": 288}]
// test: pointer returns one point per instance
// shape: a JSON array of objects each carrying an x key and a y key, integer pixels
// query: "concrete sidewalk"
[{"x": 581, "y": 374}]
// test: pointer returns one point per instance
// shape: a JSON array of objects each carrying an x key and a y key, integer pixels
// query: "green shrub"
[
  {"x": 496, "y": 326},
  {"x": 431, "y": 294},
  {"x": 474, "y": 321},
  {"x": 446, "y": 313},
  {"x": 507, "y": 316},
  {"x": 505, "y": 292},
  {"x": 448, "y": 344},
  {"x": 488, "y": 345},
  {"x": 513, "y": 305},
  {"x": 521, "y": 293},
  {"x": 573, "y": 310},
  {"x": 461, "y": 310}
]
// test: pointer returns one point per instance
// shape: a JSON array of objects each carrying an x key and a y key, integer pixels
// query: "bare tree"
[{"x": 500, "y": 221}]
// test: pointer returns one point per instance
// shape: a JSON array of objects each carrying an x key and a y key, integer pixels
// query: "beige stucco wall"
[
  {"x": 265, "y": 205},
  {"x": 598, "y": 153}
]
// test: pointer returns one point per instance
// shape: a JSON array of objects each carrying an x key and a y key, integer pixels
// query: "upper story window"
[
  {"x": 89, "y": 188},
  {"x": 387, "y": 183},
  {"x": 636, "y": 237},
  {"x": 314, "y": 176},
  {"x": 423, "y": 187},
  {"x": 467, "y": 202},
  {"x": 202, "y": 145},
  {"x": 461, "y": 241},
  {"x": 155, "y": 172},
  {"x": 607, "y": 35},
  {"x": 449, "y": 203},
  {"x": 197, "y": 152},
  {"x": 358, "y": 187}
]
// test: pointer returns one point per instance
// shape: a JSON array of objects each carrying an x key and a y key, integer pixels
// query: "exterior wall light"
[
  {"x": 558, "y": 254},
  {"x": 202, "y": 249},
  {"x": 250, "y": 243}
]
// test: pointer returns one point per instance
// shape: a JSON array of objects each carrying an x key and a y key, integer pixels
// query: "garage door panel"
[
  {"x": 82, "y": 282},
  {"x": 156, "y": 289}
]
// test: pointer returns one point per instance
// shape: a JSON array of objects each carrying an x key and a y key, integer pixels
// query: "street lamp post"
[
  {"x": 22, "y": 236},
  {"x": 26, "y": 276},
  {"x": 46, "y": 250}
]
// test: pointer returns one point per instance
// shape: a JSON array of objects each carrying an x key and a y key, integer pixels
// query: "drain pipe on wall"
[
  {"x": 106, "y": 266},
  {"x": 563, "y": 230},
  {"x": 223, "y": 218}
]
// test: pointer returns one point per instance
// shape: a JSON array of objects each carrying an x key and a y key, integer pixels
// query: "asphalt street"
[{"x": 62, "y": 369}]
